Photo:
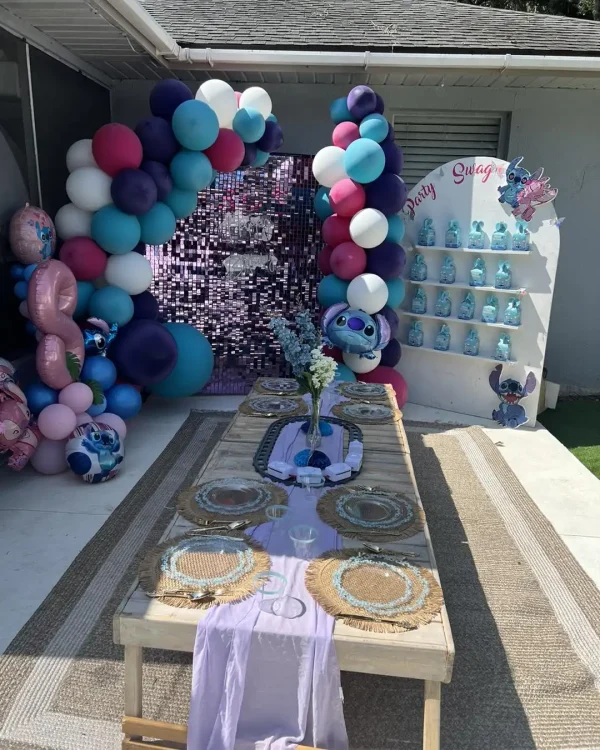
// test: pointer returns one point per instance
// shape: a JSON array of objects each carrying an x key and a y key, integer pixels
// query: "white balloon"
[
  {"x": 71, "y": 221},
  {"x": 367, "y": 292},
  {"x": 80, "y": 155},
  {"x": 258, "y": 99},
  {"x": 328, "y": 166},
  {"x": 89, "y": 188},
  {"x": 221, "y": 98},
  {"x": 356, "y": 364},
  {"x": 368, "y": 227},
  {"x": 131, "y": 271},
  {"x": 24, "y": 310}
]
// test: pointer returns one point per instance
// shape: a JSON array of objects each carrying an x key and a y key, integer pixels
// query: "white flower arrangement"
[{"x": 321, "y": 370}]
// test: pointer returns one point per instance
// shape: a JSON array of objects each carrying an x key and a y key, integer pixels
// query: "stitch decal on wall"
[{"x": 524, "y": 191}]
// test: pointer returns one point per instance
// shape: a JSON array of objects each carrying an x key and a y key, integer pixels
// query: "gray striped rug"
[{"x": 525, "y": 619}]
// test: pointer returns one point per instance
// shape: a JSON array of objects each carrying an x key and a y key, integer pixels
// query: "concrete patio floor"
[{"x": 46, "y": 521}]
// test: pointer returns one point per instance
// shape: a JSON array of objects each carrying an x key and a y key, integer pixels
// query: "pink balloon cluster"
[{"x": 17, "y": 436}]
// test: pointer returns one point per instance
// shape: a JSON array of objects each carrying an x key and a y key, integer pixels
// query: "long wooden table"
[{"x": 426, "y": 653}]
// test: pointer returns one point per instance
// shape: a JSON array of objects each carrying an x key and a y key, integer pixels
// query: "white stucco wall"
[{"x": 558, "y": 129}]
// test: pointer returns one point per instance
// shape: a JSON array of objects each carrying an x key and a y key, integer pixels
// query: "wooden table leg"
[
  {"x": 133, "y": 682},
  {"x": 431, "y": 724}
]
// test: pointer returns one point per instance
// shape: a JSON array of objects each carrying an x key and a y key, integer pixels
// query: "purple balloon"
[
  {"x": 380, "y": 106},
  {"x": 144, "y": 352},
  {"x": 392, "y": 318},
  {"x": 390, "y": 356},
  {"x": 166, "y": 96},
  {"x": 361, "y": 101},
  {"x": 394, "y": 158},
  {"x": 161, "y": 176},
  {"x": 157, "y": 139},
  {"x": 145, "y": 306},
  {"x": 140, "y": 248},
  {"x": 271, "y": 139},
  {"x": 250, "y": 150},
  {"x": 386, "y": 260},
  {"x": 387, "y": 194},
  {"x": 133, "y": 191}
]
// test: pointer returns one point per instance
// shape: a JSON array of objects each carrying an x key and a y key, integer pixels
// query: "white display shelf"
[
  {"x": 453, "y": 319},
  {"x": 457, "y": 285},
  {"x": 485, "y": 251},
  {"x": 478, "y": 358}
]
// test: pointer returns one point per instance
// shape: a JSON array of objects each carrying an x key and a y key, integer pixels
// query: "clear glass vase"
[{"x": 313, "y": 434}]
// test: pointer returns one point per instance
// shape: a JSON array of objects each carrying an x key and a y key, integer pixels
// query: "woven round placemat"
[
  {"x": 277, "y": 387},
  {"x": 395, "y": 516},
  {"x": 358, "y": 391},
  {"x": 223, "y": 566},
  {"x": 273, "y": 406},
  {"x": 241, "y": 499},
  {"x": 367, "y": 413},
  {"x": 379, "y": 593}
]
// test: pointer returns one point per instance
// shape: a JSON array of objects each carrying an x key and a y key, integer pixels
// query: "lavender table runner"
[{"x": 262, "y": 682}]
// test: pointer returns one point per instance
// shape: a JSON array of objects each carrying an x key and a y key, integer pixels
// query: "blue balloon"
[
  {"x": 262, "y": 157},
  {"x": 123, "y": 400},
  {"x": 249, "y": 124},
  {"x": 339, "y": 111},
  {"x": 195, "y": 361},
  {"x": 191, "y": 170},
  {"x": 30, "y": 328},
  {"x": 364, "y": 160},
  {"x": 396, "y": 228},
  {"x": 39, "y": 396},
  {"x": 158, "y": 225},
  {"x": 375, "y": 127},
  {"x": 20, "y": 289},
  {"x": 28, "y": 272},
  {"x": 344, "y": 373},
  {"x": 195, "y": 125},
  {"x": 182, "y": 202},
  {"x": 17, "y": 271},
  {"x": 322, "y": 207},
  {"x": 396, "y": 292},
  {"x": 111, "y": 304},
  {"x": 85, "y": 289},
  {"x": 116, "y": 232},
  {"x": 96, "y": 410},
  {"x": 332, "y": 290},
  {"x": 100, "y": 369}
]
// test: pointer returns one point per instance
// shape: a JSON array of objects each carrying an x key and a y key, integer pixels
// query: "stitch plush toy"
[
  {"x": 510, "y": 413},
  {"x": 354, "y": 331}
]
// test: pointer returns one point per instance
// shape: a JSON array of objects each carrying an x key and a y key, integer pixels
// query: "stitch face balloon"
[
  {"x": 354, "y": 331},
  {"x": 94, "y": 452},
  {"x": 32, "y": 235}
]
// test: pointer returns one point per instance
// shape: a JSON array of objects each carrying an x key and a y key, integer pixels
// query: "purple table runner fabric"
[{"x": 262, "y": 682}]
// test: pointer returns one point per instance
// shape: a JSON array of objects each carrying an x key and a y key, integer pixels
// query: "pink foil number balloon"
[
  {"x": 51, "y": 300},
  {"x": 32, "y": 235}
]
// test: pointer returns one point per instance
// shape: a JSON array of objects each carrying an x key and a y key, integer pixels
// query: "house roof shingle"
[{"x": 374, "y": 25}]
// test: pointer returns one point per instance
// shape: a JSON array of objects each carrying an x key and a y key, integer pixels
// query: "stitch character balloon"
[
  {"x": 95, "y": 452},
  {"x": 354, "y": 331},
  {"x": 510, "y": 413},
  {"x": 32, "y": 235}
]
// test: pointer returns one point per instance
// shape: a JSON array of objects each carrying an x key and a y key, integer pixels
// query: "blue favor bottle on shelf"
[
  {"x": 453, "y": 238},
  {"x": 512, "y": 314},
  {"x": 503, "y": 278},
  {"x": 443, "y": 305},
  {"x": 427, "y": 234},
  {"x": 521, "y": 238},
  {"x": 418, "y": 268},
  {"x": 419, "y": 302},
  {"x": 500, "y": 237},
  {"x": 476, "y": 236},
  {"x": 489, "y": 314},
  {"x": 466, "y": 311},
  {"x": 442, "y": 340},
  {"x": 503, "y": 348},
  {"x": 448, "y": 271},
  {"x": 478, "y": 273},
  {"x": 415, "y": 334},
  {"x": 471, "y": 347}
]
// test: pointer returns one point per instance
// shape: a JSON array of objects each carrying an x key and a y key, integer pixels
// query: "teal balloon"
[
  {"x": 116, "y": 232},
  {"x": 195, "y": 125},
  {"x": 344, "y": 373},
  {"x": 195, "y": 362},
  {"x": 364, "y": 160},
  {"x": 332, "y": 290},
  {"x": 182, "y": 202},
  {"x": 322, "y": 207},
  {"x": 272, "y": 118},
  {"x": 339, "y": 111},
  {"x": 85, "y": 289},
  {"x": 158, "y": 225},
  {"x": 375, "y": 127},
  {"x": 396, "y": 292},
  {"x": 396, "y": 228},
  {"x": 111, "y": 304},
  {"x": 249, "y": 124},
  {"x": 260, "y": 159},
  {"x": 191, "y": 170}
]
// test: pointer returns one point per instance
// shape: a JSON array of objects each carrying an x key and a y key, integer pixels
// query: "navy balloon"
[
  {"x": 394, "y": 158},
  {"x": 387, "y": 194},
  {"x": 392, "y": 318},
  {"x": 17, "y": 271},
  {"x": 39, "y": 396},
  {"x": 161, "y": 176},
  {"x": 134, "y": 191},
  {"x": 386, "y": 260},
  {"x": 390, "y": 135},
  {"x": 390, "y": 356},
  {"x": 140, "y": 248},
  {"x": 166, "y": 96},
  {"x": 157, "y": 139},
  {"x": 250, "y": 151},
  {"x": 144, "y": 352},
  {"x": 362, "y": 101},
  {"x": 271, "y": 139},
  {"x": 380, "y": 105},
  {"x": 145, "y": 306}
]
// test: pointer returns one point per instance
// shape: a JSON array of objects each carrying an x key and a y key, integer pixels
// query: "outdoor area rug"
[{"x": 525, "y": 619}]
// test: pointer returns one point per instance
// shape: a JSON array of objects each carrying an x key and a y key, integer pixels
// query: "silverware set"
[{"x": 192, "y": 596}]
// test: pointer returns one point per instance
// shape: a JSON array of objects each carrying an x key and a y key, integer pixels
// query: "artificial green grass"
[{"x": 577, "y": 425}]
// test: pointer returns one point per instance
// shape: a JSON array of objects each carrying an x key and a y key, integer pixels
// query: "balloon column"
[{"x": 359, "y": 201}]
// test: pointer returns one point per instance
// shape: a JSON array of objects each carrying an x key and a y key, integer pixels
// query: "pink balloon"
[
  {"x": 14, "y": 419},
  {"x": 57, "y": 421},
  {"x": 347, "y": 197},
  {"x": 345, "y": 133},
  {"x": 83, "y": 419},
  {"x": 50, "y": 457},
  {"x": 32, "y": 235},
  {"x": 227, "y": 152},
  {"x": 116, "y": 147},
  {"x": 77, "y": 396},
  {"x": 324, "y": 260},
  {"x": 348, "y": 260},
  {"x": 388, "y": 375},
  {"x": 335, "y": 230},
  {"x": 51, "y": 300},
  {"x": 114, "y": 421},
  {"x": 238, "y": 96}
]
